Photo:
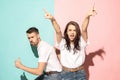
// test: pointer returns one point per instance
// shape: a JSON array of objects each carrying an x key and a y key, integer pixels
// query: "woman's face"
[{"x": 71, "y": 31}]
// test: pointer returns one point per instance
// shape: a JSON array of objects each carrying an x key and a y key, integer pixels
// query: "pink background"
[{"x": 102, "y": 61}]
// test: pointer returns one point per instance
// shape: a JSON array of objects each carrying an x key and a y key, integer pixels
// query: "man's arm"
[
  {"x": 92, "y": 12},
  {"x": 36, "y": 71},
  {"x": 55, "y": 25}
]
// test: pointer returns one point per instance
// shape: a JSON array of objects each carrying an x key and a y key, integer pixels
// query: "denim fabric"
[
  {"x": 52, "y": 77},
  {"x": 78, "y": 75},
  {"x": 41, "y": 77}
]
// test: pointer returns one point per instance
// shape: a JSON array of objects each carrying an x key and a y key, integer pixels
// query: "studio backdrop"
[{"x": 102, "y": 53}]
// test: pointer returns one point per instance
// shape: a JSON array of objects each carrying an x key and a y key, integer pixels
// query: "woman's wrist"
[{"x": 52, "y": 19}]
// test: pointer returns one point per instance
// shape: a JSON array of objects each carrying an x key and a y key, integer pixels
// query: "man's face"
[
  {"x": 33, "y": 38},
  {"x": 71, "y": 31}
]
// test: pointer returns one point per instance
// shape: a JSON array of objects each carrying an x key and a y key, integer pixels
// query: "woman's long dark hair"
[{"x": 77, "y": 38}]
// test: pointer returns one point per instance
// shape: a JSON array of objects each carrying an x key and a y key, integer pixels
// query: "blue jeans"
[
  {"x": 55, "y": 76},
  {"x": 78, "y": 75}
]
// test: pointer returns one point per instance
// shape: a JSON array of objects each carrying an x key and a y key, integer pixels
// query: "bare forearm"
[
  {"x": 84, "y": 28},
  {"x": 55, "y": 25},
  {"x": 85, "y": 23},
  {"x": 57, "y": 29},
  {"x": 92, "y": 12},
  {"x": 35, "y": 71}
]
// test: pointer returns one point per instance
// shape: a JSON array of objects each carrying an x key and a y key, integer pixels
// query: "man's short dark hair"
[{"x": 32, "y": 29}]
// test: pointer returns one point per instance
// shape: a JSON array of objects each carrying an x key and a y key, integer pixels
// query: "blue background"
[{"x": 16, "y": 16}]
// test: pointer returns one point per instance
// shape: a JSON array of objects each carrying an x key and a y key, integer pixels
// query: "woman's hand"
[{"x": 48, "y": 15}]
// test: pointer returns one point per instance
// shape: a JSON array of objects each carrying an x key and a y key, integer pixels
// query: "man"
[{"x": 47, "y": 61}]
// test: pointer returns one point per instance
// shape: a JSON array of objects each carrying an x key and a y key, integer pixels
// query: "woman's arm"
[
  {"x": 55, "y": 25},
  {"x": 92, "y": 12}
]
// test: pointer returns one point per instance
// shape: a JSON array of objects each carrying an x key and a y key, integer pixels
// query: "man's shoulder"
[{"x": 45, "y": 44}]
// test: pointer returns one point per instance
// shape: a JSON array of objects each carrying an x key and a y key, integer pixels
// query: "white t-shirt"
[
  {"x": 47, "y": 54},
  {"x": 69, "y": 58}
]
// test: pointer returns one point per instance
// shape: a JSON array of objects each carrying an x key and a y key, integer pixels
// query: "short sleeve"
[
  {"x": 44, "y": 54},
  {"x": 61, "y": 44},
  {"x": 83, "y": 42}
]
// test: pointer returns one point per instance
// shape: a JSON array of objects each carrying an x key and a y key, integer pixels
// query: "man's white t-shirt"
[
  {"x": 47, "y": 54},
  {"x": 69, "y": 58}
]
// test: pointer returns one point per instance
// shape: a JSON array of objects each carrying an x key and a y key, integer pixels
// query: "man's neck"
[{"x": 39, "y": 42}]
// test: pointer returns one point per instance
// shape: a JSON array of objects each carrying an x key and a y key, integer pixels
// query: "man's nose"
[{"x": 30, "y": 40}]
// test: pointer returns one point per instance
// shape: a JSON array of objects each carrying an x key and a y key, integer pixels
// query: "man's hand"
[{"x": 18, "y": 63}]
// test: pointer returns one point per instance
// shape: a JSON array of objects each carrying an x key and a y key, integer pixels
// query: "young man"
[{"x": 47, "y": 61}]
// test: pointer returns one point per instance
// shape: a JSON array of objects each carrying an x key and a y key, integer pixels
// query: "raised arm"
[
  {"x": 92, "y": 12},
  {"x": 36, "y": 71},
  {"x": 55, "y": 25}
]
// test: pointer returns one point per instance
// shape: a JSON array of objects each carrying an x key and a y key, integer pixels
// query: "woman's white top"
[{"x": 69, "y": 58}]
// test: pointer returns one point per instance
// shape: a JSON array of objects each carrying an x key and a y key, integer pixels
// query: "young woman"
[{"x": 72, "y": 46}]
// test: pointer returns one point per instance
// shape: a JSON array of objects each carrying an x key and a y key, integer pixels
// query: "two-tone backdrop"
[{"x": 16, "y": 16}]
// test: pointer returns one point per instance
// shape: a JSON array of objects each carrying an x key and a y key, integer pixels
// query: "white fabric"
[
  {"x": 68, "y": 58},
  {"x": 47, "y": 54}
]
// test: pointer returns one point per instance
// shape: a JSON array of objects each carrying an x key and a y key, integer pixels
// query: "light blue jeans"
[
  {"x": 78, "y": 75},
  {"x": 55, "y": 76}
]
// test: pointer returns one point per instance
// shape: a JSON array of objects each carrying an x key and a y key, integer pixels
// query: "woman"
[{"x": 72, "y": 47}]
